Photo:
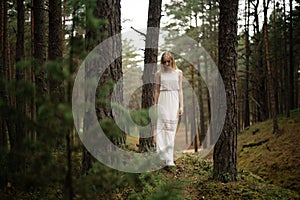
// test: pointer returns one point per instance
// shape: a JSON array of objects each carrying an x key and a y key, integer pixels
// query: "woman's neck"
[{"x": 167, "y": 69}]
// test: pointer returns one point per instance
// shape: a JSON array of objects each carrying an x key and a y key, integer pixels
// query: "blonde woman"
[{"x": 168, "y": 100}]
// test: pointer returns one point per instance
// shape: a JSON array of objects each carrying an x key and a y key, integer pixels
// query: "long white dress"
[{"x": 168, "y": 106}]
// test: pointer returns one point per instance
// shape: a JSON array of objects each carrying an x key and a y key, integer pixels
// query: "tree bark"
[
  {"x": 154, "y": 16},
  {"x": 291, "y": 57},
  {"x": 225, "y": 151},
  {"x": 3, "y": 92},
  {"x": 5, "y": 78},
  {"x": 285, "y": 63},
  {"x": 31, "y": 76},
  {"x": 20, "y": 74},
  {"x": 109, "y": 12},
  {"x": 261, "y": 89},
  {"x": 247, "y": 54},
  {"x": 55, "y": 50},
  {"x": 39, "y": 53},
  {"x": 270, "y": 79}
]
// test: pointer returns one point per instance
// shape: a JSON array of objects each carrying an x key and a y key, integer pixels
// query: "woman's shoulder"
[
  {"x": 158, "y": 73},
  {"x": 179, "y": 71}
]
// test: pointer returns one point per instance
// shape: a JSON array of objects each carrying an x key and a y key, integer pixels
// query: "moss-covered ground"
[{"x": 268, "y": 168}]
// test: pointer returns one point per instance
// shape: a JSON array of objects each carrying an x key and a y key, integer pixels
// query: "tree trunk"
[
  {"x": 202, "y": 131},
  {"x": 3, "y": 92},
  {"x": 247, "y": 54},
  {"x": 64, "y": 13},
  {"x": 5, "y": 77},
  {"x": 291, "y": 70},
  {"x": 261, "y": 89},
  {"x": 225, "y": 158},
  {"x": 275, "y": 64},
  {"x": 194, "y": 134},
  {"x": 207, "y": 92},
  {"x": 285, "y": 63},
  {"x": 109, "y": 12},
  {"x": 270, "y": 79},
  {"x": 40, "y": 49},
  {"x": 55, "y": 50},
  {"x": 20, "y": 74},
  {"x": 154, "y": 15},
  {"x": 31, "y": 76}
]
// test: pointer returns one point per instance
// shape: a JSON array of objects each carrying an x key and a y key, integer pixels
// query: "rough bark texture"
[
  {"x": 260, "y": 88},
  {"x": 5, "y": 76},
  {"x": 225, "y": 158},
  {"x": 247, "y": 54},
  {"x": 109, "y": 12},
  {"x": 55, "y": 49},
  {"x": 154, "y": 16},
  {"x": 20, "y": 73},
  {"x": 291, "y": 70},
  {"x": 40, "y": 48},
  {"x": 269, "y": 70},
  {"x": 3, "y": 94},
  {"x": 286, "y": 68}
]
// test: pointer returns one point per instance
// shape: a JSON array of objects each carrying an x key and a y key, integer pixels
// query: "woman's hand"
[{"x": 180, "y": 111}]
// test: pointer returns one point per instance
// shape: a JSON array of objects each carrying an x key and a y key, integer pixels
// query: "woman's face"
[{"x": 167, "y": 61}]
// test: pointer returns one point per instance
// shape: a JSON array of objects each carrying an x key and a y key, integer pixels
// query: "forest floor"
[
  {"x": 268, "y": 165},
  {"x": 268, "y": 168}
]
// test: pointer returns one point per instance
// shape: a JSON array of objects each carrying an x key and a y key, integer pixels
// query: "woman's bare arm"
[
  {"x": 157, "y": 87},
  {"x": 180, "y": 94}
]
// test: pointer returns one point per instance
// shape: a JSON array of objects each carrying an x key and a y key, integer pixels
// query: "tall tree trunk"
[
  {"x": 225, "y": 158},
  {"x": 153, "y": 24},
  {"x": 194, "y": 134},
  {"x": 5, "y": 77},
  {"x": 207, "y": 91},
  {"x": 31, "y": 112},
  {"x": 285, "y": 63},
  {"x": 20, "y": 74},
  {"x": 64, "y": 13},
  {"x": 287, "y": 92},
  {"x": 275, "y": 64},
  {"x": 270, "y": 78},
  {"x": 3, "y": 93},
  {"x": 291, "y": 70},
  {"x": 261, "y": 89},
  {"x": 247, "y": 54},
  {"x": 256, "y": 93},
  {"x": 39, "y": 53},
  {"x": 55, "y": 50},
  {"x": 91, "y": 37},
  {"x": 109, "y": 12},
  {"x": 201, "y": 129}
]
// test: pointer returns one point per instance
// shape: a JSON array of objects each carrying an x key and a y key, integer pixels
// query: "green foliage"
[
  {"x": 141, "y": 117},
  {"x": 102, "y": 182},
  {"x": 155, "y": 185},
  {"x": 129, "y": 55},
  {"x": 111, "y": 130},
  {"x": 54, "y": 71},
  {"x": 196, "y": 19}
]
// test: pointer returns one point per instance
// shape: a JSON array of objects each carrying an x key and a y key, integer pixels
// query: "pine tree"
[
  {"x": 269, "y": 72},
  {"x": 225, "y": 151},
  {"x": 151, "y": 54}
]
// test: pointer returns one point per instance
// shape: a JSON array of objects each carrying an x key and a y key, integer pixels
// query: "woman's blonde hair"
[{"x": 168, "y": 55}]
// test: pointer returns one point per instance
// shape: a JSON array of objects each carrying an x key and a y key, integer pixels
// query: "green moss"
[{"x": 277, "y": 160}]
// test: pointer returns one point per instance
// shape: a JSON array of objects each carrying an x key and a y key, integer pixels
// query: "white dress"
[{"x": 168, "y": 106}]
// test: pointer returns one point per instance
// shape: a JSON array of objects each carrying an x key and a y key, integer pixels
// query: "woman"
[{"x": 169, "y": 102}]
